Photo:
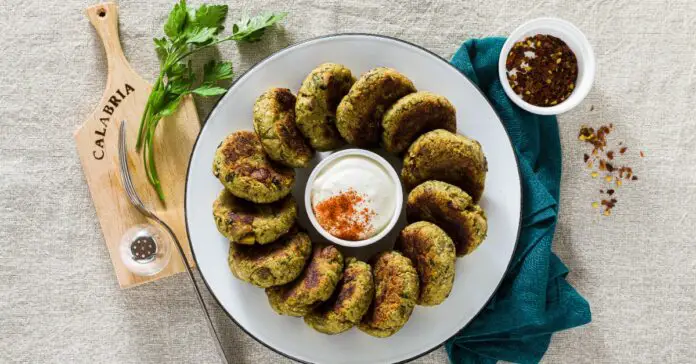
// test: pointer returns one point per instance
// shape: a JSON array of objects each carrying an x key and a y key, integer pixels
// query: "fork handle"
[{"x": 221, "y": 352}]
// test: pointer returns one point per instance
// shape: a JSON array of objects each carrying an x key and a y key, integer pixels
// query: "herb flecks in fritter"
[
  {"x": 448, "y": 157},
  {"x": 244, "y": 222},
  {"x": 314, "y": 286},
  {"x": 413, "y": 115},
  {"x": 317, "y": 100},
  {"x": 396, "y": 293},
  {"x": 244, "y": 169},
  {"x": 272, "y": 264},
  {"x": 433, "y": 254},
  {"x": 359, "y": 115},
  {"x": 274, "y": 122},
  {"x": 349, "y": 302},
  {"x": 452, "y": 209}
]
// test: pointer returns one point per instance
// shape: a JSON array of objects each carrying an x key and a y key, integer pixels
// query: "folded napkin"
[{"x": 534, "y": 300}]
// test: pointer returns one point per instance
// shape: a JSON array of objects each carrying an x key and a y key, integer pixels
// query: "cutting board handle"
[{"x": 104, "y": 18}]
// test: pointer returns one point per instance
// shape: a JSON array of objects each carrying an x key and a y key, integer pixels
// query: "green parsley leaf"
[
  {"x": 176, "y": 21},
  {"x": 251, "y": 29},
  {"x": 177, "y": 70},
  {"x": 169, "y": 108},
  {"x": 200, "y": 35},
  {"x": 211, "y": 16},
  {"x": 180, "y": 86},
  {"x": 162, "y": 47},
  {"x": 209, "y": 90},
  {"x": 215, "y": 71}
]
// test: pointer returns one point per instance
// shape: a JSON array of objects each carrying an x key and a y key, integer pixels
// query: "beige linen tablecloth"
[{"x": 59, "y": 299}]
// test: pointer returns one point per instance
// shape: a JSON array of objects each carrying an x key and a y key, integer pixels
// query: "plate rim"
[{"x": 335, "y": 35}]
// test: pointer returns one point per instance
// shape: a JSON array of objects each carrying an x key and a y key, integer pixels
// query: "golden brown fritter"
[
  {"x": 245, "y": 222},
  {"x": 451, "y": 209},
  {"x": 243, "y": 168},
  {"x": 273, "y": 264},
  {"x": 396, "y": 292},
  {"x": 349, "y": 302},
  {"x": 315, "y": 285},
  {"x": 448, "y": 157},
  {"x": 414, "y": 115},
  {"x": 317, "y": 100},
  {"x": 432, "y": 252},
  {"x": 274, "y": 122},
  {"x": 359, "y": 115}
]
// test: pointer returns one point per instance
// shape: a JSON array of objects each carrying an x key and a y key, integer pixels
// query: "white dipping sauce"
[{"x": 363, "y": 175}]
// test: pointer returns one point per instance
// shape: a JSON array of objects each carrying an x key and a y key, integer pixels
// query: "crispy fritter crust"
[
  {"x": 432, "y": 252},
  {"x": 274, "y": 122},
  {"x": 451, "y": 209},
  {"x": 315, "y": 285},
  {"x": 244, "y": 222},
  {"x": 448, "y": 157},
  {"x": 243, "y": 168},
  {"x": 414, "y": 115},
  {"x": 317, "y": 100},
  {"x": 396, "y": 292},
  {"x": 349, "y": 302},
  {"x": 273, "y": 264},
  {"x": 359, "y": 115}
]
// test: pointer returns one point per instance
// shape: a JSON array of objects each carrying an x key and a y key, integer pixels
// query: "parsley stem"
[
  {"x": 194, "y": 50},
  {"x": 151, "y": 160},
  {"x": 143, "y": 121},
  {"x": 147, "y": 114}
]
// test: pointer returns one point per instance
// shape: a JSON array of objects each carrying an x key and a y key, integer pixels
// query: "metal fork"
[{"x": 138, "y": 203}]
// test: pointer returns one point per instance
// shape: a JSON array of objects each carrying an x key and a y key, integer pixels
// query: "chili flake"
[
  {"x": 542, "y": 69},
  {"x": 611, "y": 173}
]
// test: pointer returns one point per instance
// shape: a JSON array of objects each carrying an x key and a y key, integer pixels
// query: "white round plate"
[{"x": 478, "y": 274}]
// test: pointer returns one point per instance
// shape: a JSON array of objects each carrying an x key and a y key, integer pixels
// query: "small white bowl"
[
  {"x": 398, "y": 193},
  {"x": 577, "y": 42}
]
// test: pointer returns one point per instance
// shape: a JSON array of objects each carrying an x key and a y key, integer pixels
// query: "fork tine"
[
  {"x": 125, "y": 172},
  {"x": 122, "y": 157},
  {"x": 123, "y": 164}
]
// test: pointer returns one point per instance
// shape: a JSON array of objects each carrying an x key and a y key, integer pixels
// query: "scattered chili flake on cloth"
[{"x": 603, "y": 160}]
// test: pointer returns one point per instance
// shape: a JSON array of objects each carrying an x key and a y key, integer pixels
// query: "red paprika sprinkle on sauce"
[{"x": 344, "y": 216}]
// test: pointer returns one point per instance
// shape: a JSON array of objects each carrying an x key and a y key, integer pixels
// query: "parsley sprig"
[{"x": 187, "y": 31}]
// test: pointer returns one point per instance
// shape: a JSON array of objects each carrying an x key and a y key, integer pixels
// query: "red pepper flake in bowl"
[{"x": 542, "y": 70}]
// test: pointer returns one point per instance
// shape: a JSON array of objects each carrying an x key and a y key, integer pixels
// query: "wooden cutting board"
[{"x": 124, "y": 98}]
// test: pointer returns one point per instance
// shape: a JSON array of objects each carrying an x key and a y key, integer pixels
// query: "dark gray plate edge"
[{"x": 188, "y": 171}]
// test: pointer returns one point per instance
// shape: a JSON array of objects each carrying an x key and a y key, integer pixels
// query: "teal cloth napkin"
[{"x": 534, "y": 300}]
